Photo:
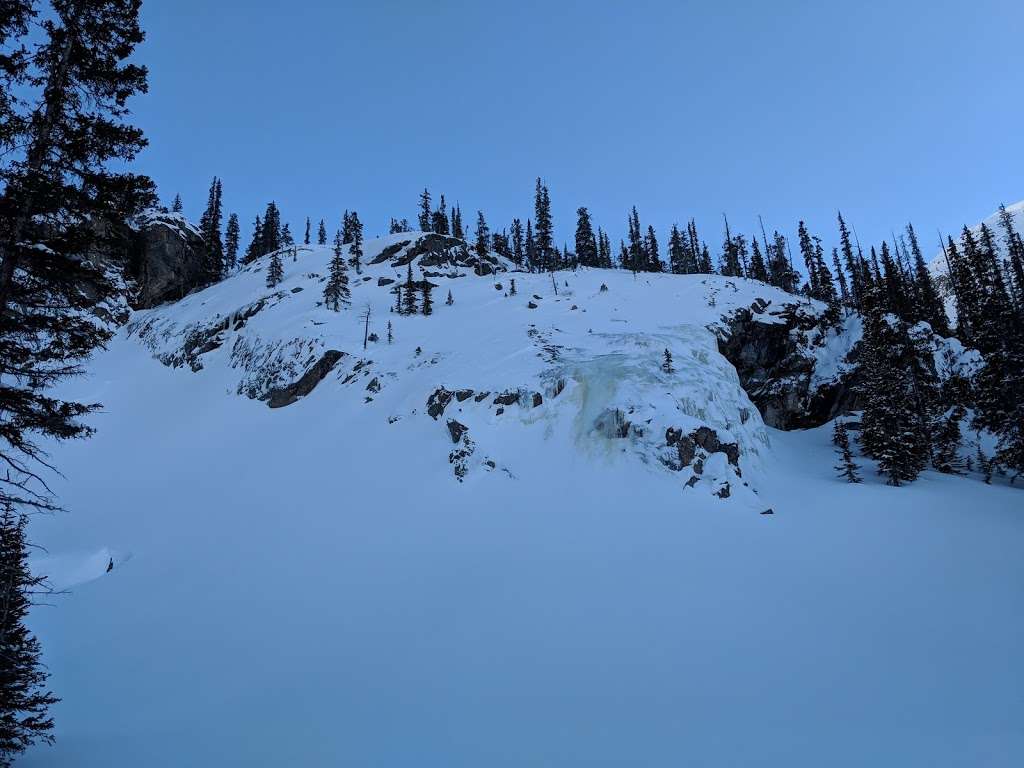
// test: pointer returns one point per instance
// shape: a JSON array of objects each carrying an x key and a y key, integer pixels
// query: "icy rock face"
[{"x": 166, "y": 259}]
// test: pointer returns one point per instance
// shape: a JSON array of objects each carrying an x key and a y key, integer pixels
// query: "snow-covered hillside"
[{"x": 508, "y": 537}]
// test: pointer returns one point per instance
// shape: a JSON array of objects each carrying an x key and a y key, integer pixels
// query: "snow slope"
[{"x": 312, "y": 585}]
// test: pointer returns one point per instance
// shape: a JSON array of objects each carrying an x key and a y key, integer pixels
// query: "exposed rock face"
[
  {"x": 289, "y": 394},
  {"x": 166, "y": 259},
  {"x": 439, "y": 252},
  {"x": 772, "y": 354}
]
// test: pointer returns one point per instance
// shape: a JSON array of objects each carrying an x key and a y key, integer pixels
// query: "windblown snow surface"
[{"x": 313, "y": 585}]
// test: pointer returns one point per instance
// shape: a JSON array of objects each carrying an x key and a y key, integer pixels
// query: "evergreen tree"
[
  {"x": 346, "y": 228},
  {"x": 512, "y": 287},
  {"x": 891, "y": 429},
  {"x": 439, "y": 220},
  {"x": 1015, "y": 253},
  {"x": 409, "y": 298},
  {"x": 543, "y": 227},
  {"x": 428, "y": 304},
  {"x": 586, "y": 242},
  {"x": 231, "y": 235},
  {"x": 275, "y": 270},
  {"x": 63, "y": 142},
  {"x": 651, "y": 250},
  {"x": 391, "y": 335},
  {"x": 176, "y": 206},
  {"x": 270, "y": 237},
  {"x": 847, "y": 467},
  {"x": 780, "y": 270},
  {"x": 666, "y": 364},
  {"x": 321, "y": 234},
  {"x": 852, "y": 265},
  {"x": 636, "y": 257},
  {"x": 947, "y": 439},
  {"x": 336, "y": 291},
  {"x": 24, "y": 700},
  {"x": 457, "y": 230},
  {"x": 518, "y": 252},
  {"x": 929, "y": 305},
  {"x": 730, "y": 263},
  {"x": 209, "y": 226},
  {"x": 758, "y": 270},
  {"x": 254, "y": 249},
  {"x": 530, "y": 248},
  {"x": 844, "y": 289},
  {"x": 355, "y": 247},
  {"x": 424, "y": 217},
  {"x": 482, "y": 236},
  {"x": 604, "y": 249},
  {"x": 449, "y": 301},
  {"x": 305, "y": 237}
]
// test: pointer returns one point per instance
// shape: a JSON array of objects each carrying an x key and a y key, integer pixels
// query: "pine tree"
[
  {"x": 635, "y": 258},
  {"x": 439, "y": 220},
  {"x": 424, "y": 217},
  {"x": 844, "y": 289},
  {"x": 355, "y": 247},
  {"x": 457, "y": 230},
  {"x": 449, "y": 301},
  {"x": 428, "y": 304},
  {"x": 63, "y": 143},
  {"x": 305, "y": 237},
  {"x": 1015, "y": 253},
  {"x": 209, "y": 226},
  {"x": 847, "y": 468},
  {"x": 275, "y": 270},
  {"x": 947, "y": 439},
  {"x": 391, "y": 335},
  {"x": 518, "y": 252},
  {"x": 482, "y": 236},
  {"x": 929, "y": 305},
  {"x": 676, "y": 252},
  {"x": 758, "y": 270},
  {"x": 321, "y": 234},
  {"x": 346, "y": 228},
  {"x": 24, "y": 700},
  {"x": 891, "y": 425},
  {"x": 852, "y": 264},
  {"x": 730, "y": 263},
  {"x": 543, "y": 227},
  {"x": 231, "y": 235},
  {"x": 666, "y": 364},
  {"x": 176, "y": 206},
  {"x": 409, "y": 303},
  {"x": 270, "y": 237},
  {"x": 336, "y": 291},
  {"x": 530, "y": 248},
  {"x": 586, "y": 242},
  {"x": 512, "y": 287},
  {"x": 255, "y": 248},
  {"x": 651, "y": 251}
]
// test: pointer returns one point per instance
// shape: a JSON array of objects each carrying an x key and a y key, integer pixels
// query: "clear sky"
[{"x": 890, "y": 111}]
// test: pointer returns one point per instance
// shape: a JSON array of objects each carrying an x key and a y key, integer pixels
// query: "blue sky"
[{"x": 889, "y": 111}]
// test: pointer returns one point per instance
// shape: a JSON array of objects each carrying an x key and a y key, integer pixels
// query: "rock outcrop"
[{"x": 166, "y": 258}]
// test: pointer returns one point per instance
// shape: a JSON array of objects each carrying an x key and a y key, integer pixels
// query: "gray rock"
[
  {"x": 438, "y": 401},
  {"x": 287, "y": 395},
  {"x": 456, "y": 430}
]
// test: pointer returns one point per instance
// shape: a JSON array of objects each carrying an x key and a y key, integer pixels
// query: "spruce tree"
[
  {"x": 586, "y": 241},
  {"x": 530, "y": 248},
  {"x": 518, "y": 251},
  {"x": 425, "y": 208},
  {"x": 929, "y": 305},
  {"x": 1015, "y": 254},
  {"x": 305, "y": 237},
  {"x": 336, "y": 291},
  {"x": 543, "y": 227},
  {"x": 176, "y": 206},
  {"x": 852, "y": 264},
  {"x": 651, "y": 251},
  {"x": 676, "y": 252},
  {"x": 439, "y": 219},
  {"x": 847, "y": 467},
  {"x": 355, "y": 247},
  {"x": 321, "y": 234},
  {"x": 409, "y": 297},
  {"x": 758, "y": 270},
  {"x": 891, "y": 425},
  {"x": 275, "y": 270},
  {"x": 449, "y": 301},
  {"x": 24, "y": 699},
  {"x": 457, "y": 230},
  {"x": 482, "y": 236},
  {"x": 666, "y": 364},
  {"x": 270, "y": 237},
  {"x": 231, "y": 235},
  {"x": 63, "y": 144},
  {"x": 844, "y": 289},
  {"x": 635, "y": 258},
  {"x": 428, "y": 304},
  {"x": 255, "y": 248},
  {"x": 209, "y": 226}
]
